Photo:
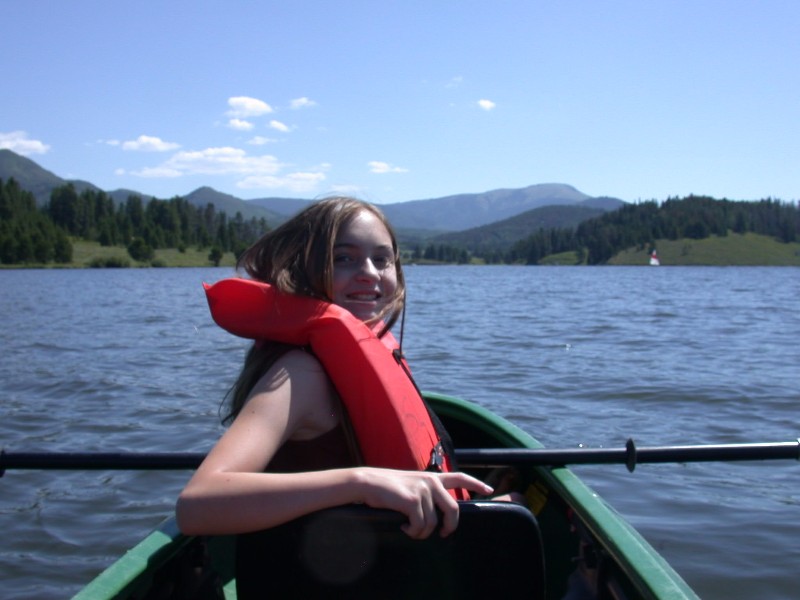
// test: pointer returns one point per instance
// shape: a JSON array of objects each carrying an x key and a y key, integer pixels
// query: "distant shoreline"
[{"x": 734, "y": 250}]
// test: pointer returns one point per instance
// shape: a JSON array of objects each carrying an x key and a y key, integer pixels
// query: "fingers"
[
  {"x": 422, "y": 497},
  {"x": 437, "y": 502},
  {"x": 462, "y": 480},
  {"x": 422, "y": 518},
  {"x": 449, "y": 515}
]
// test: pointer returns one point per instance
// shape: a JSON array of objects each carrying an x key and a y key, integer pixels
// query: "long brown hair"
[{"x": 297, "y": 258}]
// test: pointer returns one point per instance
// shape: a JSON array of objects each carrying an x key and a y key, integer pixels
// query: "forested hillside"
[
  {"x": 492, "y": 242},
  {"x": 641, "y": 225},
  {"x": 27, "y": 234},
  {"x": 40, "y": 235}
]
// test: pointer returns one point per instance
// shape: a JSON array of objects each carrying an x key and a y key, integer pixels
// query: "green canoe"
[{"x": 575, "y": 546}]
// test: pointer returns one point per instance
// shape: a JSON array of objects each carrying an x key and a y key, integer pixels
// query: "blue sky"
[{"x": 395, "y": 101}]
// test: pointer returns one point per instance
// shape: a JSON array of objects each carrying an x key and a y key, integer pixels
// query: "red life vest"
[{"x": 390, "y": 420}]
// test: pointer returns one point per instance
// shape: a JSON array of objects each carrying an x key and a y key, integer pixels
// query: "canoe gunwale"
[
  {"x": 135, "y": 569},
  {"x": 649, "y": 573},
  {"x": 641, "y": 563}
]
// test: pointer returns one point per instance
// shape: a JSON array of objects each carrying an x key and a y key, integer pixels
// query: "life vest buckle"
[{"x": 436, "y": 464}]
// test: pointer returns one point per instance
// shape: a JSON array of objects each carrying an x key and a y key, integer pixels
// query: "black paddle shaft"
[
  {"x": 100, "y": 461},
  {"x": 474, "y": 457},
  {"x": 630, "y": 455}
]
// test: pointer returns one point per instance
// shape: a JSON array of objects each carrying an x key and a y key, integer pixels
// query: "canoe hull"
[{"x": 613, "y": 560}]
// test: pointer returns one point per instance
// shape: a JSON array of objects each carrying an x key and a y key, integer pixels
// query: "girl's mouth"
[{"x": 364, "y": 297}]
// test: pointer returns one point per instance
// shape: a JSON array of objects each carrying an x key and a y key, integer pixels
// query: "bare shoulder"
[
  {"x": 301, "y": 360},
  {"x": 293, "y": 367},
  {"x": 299, "y": 383}
]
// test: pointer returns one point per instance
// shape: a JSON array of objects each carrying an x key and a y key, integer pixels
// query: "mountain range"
[{"x": 514, "y": 212}]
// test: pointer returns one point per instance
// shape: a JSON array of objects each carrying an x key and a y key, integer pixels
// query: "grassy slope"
[
  {"x": 734, "y": 249},
  {"x": 85, "y": 252},
  {"x": 744, "y": 250},
  {"x": 740, "y": 250}
]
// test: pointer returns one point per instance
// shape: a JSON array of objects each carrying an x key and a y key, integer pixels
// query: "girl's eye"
[{"x": 379, "y": 262}]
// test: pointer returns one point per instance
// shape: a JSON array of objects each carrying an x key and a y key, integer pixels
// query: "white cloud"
[
  {"x": 240, "y": 125},
  {"x": 162, "y": 172},
  {"x": 244, "y": 106},
  {"x": 147, "y": 143},
  {"x": 295, "y": 182},
  {"x": 486, "y": 105},
  {"x": 377, "y": 166},
  {"x": 260, "y": 140},
  {"x": 19, "y": 142},
  {"x": 252, "y": 172},
  {"x": 302, "y": 103},
  {"x": 279, "y": 126},
  {"x": 213, "y": 161},
  {"x": 223, "y": 160},
  {"x": 454, "y": 82}
]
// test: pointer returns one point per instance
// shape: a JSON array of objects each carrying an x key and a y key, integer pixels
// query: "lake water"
[{"x": 129, "y": 360}]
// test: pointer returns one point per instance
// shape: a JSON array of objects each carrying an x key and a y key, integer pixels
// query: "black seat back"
[{"x": 359, "y": 552}]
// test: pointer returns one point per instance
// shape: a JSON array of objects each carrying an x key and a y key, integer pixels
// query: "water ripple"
[{"x": 574, "y": 356}]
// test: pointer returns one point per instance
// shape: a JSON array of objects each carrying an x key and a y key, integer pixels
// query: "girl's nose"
[{"x": 367, "y": 269}]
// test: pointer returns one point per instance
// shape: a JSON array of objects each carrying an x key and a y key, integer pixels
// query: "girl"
[{"x": 287, "y": 452}]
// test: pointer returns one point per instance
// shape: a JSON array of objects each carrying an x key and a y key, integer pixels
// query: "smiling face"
[{"x": 364, "y": 271}]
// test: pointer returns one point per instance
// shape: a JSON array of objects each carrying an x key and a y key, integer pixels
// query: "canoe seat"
[{"x": 360, "y": 552}]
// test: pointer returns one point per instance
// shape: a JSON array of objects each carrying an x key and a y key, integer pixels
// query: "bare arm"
[{"x": 230, "y": 493}]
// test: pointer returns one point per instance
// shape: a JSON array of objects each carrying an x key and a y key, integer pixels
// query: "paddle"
[{"x": 630, "y": 456}]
